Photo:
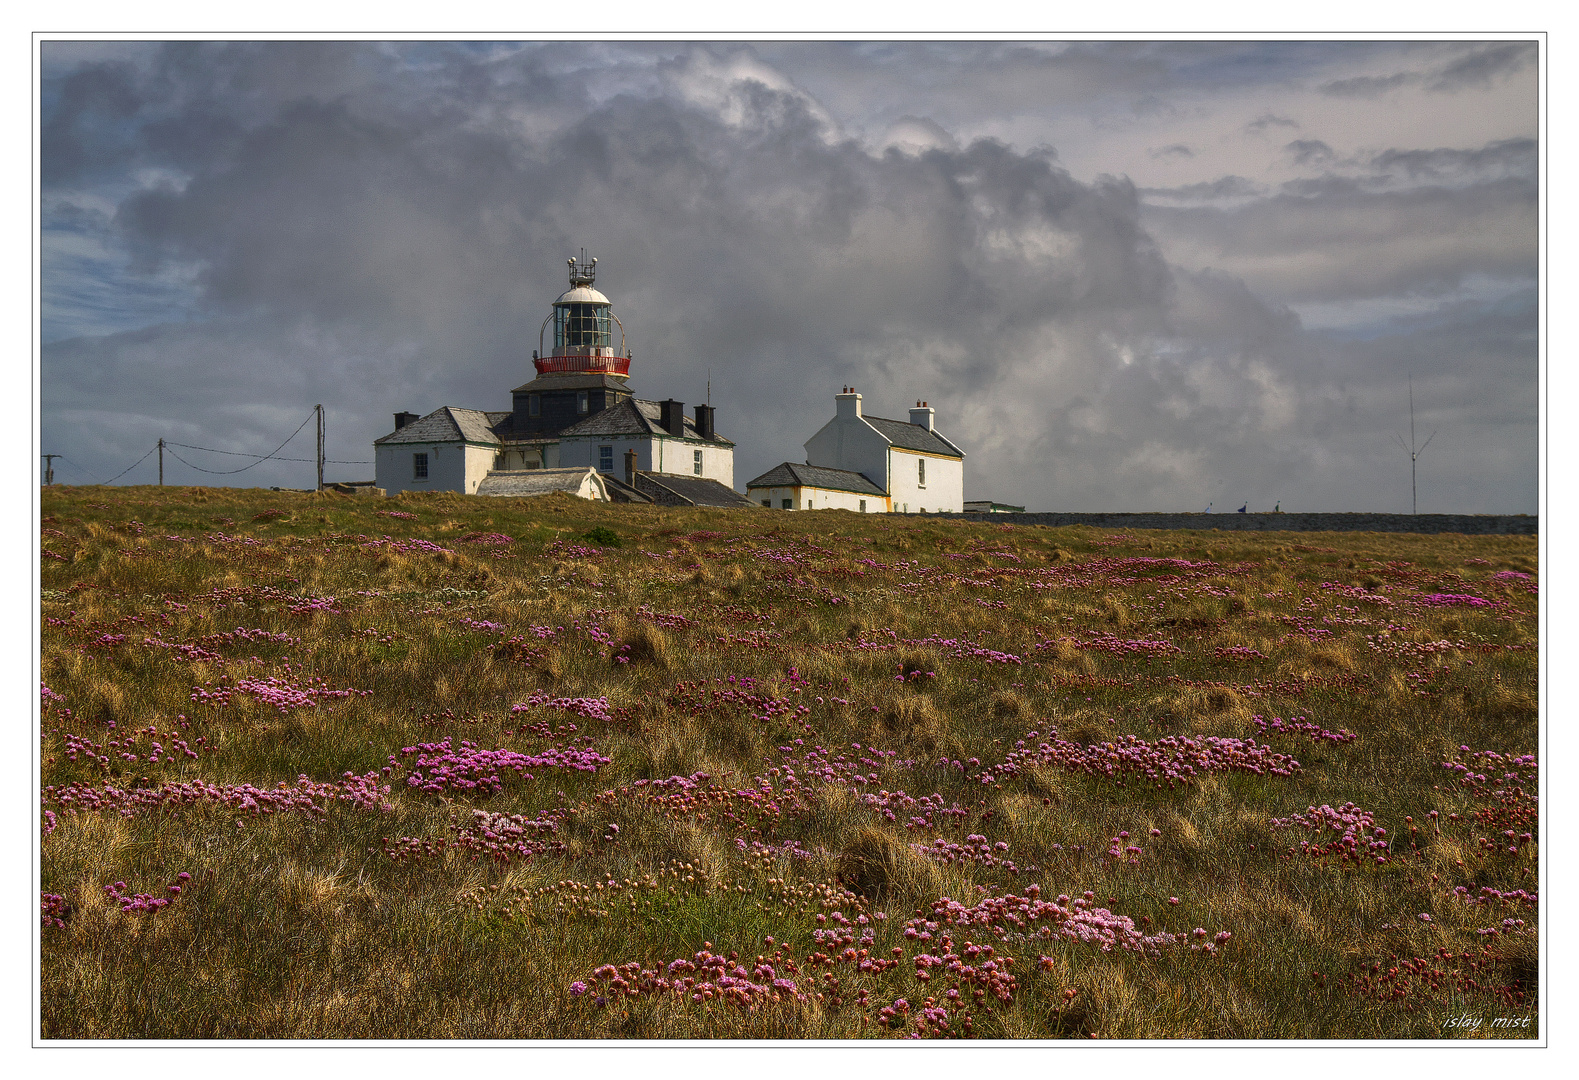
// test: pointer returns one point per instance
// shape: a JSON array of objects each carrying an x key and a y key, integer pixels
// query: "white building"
[
  {"x": 871, "y": 465},
  {"x": 579, "y": 411}
]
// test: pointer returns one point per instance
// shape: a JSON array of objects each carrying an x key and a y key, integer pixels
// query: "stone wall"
[{"x": 1471, "y": 524}]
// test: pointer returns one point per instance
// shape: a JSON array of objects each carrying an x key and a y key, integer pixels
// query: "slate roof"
[
  {"x": 448, "y": 424},
  {"x": 790, "y": 474},
  {"x": 697, "y": 490},
  {"x": 909, "y": 436},
  {"x": 526, "y": 482},
  {"x": 620, "y": 491},
  {"x": 635, "y": 417},
  {"x": 582, "y": 381}
]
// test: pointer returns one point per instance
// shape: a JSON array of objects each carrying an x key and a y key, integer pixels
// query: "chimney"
[
  {"x": 848, "y": 404},
  {"x": 630, "y": 467},
  {"x": 672, "y": 416},
  {"x": 704, "y": 421},
  {"x": 404, "y": 418},
  {"x": 921, "y": 415}
]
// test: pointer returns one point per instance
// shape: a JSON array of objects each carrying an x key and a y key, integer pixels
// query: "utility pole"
[
  {"x": 320, "y": 446},
  {"x": 49, "y": 469},
  {"x": 1413, "y": 452},
  {"x": 161, "y": 462}
]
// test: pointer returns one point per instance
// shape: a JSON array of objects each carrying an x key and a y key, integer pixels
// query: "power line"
[
  {"x": 130, "y": 467},
  {"x": 237, "y": 453},
  {"x": 244, "y": 468}
]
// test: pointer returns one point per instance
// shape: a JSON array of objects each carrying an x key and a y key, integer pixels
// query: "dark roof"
[
  {"x": 620, "y": 491},
  {"x": 913, "y": 437},
  {"x": 635, "y": 417},
  {"x": 574, "y": 381},
  {"x": 790, "y": 474},
  {"x": 448, "y": 424},
  {"x": 697, "y": 490}
]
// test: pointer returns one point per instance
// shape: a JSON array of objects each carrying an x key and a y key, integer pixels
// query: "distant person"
[
  {"x": 1278, "y": 509},
  {"x": 1242, "y": 509},
  {"x": 1208, "y": 509}
]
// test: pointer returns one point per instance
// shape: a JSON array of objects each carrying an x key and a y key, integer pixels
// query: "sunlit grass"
[{"x": 744, "y": 726}]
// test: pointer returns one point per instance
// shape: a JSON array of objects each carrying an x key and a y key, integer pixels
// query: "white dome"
[{"x": 582, "y": 294}]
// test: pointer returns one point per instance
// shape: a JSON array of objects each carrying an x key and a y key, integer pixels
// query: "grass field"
[{"x": 448, "y": 767}]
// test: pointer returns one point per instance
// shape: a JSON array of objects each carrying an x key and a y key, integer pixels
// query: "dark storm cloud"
[
  {"x": 383, "y": 228},
  {"x": 1335, "y": 238}
]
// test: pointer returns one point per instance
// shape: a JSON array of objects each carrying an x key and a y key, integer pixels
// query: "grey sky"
[{"x": 1128, "y": 275}]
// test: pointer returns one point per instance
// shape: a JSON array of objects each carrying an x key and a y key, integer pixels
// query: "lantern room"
[{"x": 583, "y": 329}]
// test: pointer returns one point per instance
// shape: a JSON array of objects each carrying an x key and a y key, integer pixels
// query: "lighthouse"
[{"x": 578, "y": 413}]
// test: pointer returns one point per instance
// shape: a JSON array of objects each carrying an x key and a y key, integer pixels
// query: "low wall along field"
[
  {"x": 1467, "y": 524},
  {"x": 445, "y": 767}
]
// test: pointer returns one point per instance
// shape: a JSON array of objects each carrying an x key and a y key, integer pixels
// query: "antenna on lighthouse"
[{"x": 584, "y": 272}]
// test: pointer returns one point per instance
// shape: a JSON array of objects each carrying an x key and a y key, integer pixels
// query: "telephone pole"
[
  {"x": 161, "y": 462},
  {"x": 320, "y": 446},
  {"x": 49, "y": 469}
]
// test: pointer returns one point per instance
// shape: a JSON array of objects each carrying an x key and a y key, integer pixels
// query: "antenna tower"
[{"x": 1413, "y": 451}]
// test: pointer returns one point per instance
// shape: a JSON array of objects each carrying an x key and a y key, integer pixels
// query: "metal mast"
[{"x": 1413, "y": 451}]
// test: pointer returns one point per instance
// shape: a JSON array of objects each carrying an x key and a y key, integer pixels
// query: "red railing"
[{"x": 611, "y": 365}]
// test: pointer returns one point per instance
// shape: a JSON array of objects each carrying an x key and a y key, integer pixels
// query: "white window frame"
[
  {"x": 581, "y": 401},
  {"x": 609, "y": 452},
  {"x": 696, "y": 462}
]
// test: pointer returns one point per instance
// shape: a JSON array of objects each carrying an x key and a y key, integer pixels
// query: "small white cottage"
[{"x": 870, "y": 465}]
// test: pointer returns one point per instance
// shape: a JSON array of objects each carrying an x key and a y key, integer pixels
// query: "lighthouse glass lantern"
[{"x": 584, "y": 328}]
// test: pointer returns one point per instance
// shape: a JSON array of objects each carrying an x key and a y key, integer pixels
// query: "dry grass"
[{"x": 777, "y": 654}]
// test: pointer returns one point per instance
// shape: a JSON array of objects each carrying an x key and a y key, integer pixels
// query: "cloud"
[
  {"x": 1310, "y": 151},
  {"x": 1484, "y": 66},
  {"x": 1368, "y": 86},
  {"x": 1268, "y": 120},
  {"x": 1177, "y": 150},
  {"x": 234, "y": 232},
  {"x": 1506, "y": 157},
  {"x": 1224, "y": 187}
]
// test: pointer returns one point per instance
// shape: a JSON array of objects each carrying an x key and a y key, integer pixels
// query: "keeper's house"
[{"x": 870, "y": 465}]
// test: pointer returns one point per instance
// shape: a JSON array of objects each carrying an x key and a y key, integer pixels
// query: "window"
[
  {"x": 921, "y": 472},
  {"x": 768, "y": 503},
  {"x": 863, "y": 506},
  {"x": 606, "y": 458},
  {"x": 788, "y": 504},
  {"x": 419, "y": 466},
  {"x": 582, "y": 326},
  {"x": 808, "y": 504},
  {"x": 696, "y": 462},
  {"x": 534, "y": 405},
  {"x": 581, "y": 401}
]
